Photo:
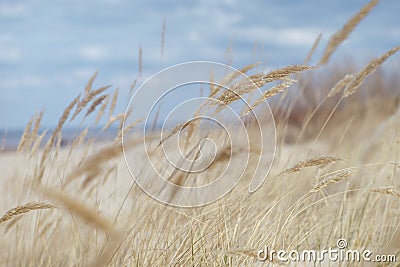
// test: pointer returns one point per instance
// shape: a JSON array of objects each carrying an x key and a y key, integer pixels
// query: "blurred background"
[{"x": 49, "y": 49}]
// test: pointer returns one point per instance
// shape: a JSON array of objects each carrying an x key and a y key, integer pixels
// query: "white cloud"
[
  {"x": 113, "y": 1},
  {"x": 280, "y": 36},
  {"x": 194, "y": 36},
  {"x": 13, "y": 10},
  {"x": 217, "y": 17},
  {"x": 93, "y": 52},
  {"x": 297, "y": 36},
  {"x": 28, "y": 81},
  {"x": 83, "y": 73},
  {"x": 230, "y": 3},
  {"x": 9, "y": 54},
  {"x": 6, "y": 37}
]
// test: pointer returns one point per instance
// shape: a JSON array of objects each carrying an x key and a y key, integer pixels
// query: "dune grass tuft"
[{"x": 22, "y": 209}]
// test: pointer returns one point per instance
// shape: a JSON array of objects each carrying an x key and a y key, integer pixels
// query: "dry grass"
[
  {"x": 367, "y": 70},
  {"x": 256, "y": 81},
  {"x": 341, "y": 35},
  {"x": 392, "y": 191},
  {"x": 308, "y": 201},
  {"x": 25, "y": 136},
  {"x": 82, "y": 211},
  {"x": 317, "y": 161},
  {"x": 95, "y": 103},
  {"x": 332, "y": 179},
  {"x": 12, "y": 213}
]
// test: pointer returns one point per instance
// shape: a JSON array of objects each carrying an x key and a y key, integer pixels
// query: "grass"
[{"x": 335, "y": 175}]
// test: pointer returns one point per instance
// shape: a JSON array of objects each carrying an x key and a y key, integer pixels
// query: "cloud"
[
  {"x": 285, "y": 36},
  {"x": 27, "y": 81},
  {"x": 6, "y": 37},
  {"x": 9, "y": 54},
  {"x": 13, "y": 10},
  {"x": 83, "y": 73},
  {"x": 93, "y": 52},
  {"x": 297, "y": 36}
]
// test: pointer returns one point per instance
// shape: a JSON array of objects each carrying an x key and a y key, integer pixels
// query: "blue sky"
[{"x": 49, "y": 48}]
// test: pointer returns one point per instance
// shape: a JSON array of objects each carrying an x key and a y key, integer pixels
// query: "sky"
[{"x": 50, "y": 48}]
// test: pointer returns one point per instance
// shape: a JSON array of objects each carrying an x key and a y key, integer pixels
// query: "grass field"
[{"x": 335, "y": 176}]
